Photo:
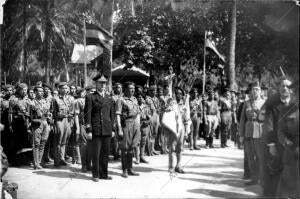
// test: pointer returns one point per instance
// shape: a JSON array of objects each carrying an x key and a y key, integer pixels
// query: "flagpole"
[
  {"x": 204, "y": 53},
  {"x": 84, "y": 51}
]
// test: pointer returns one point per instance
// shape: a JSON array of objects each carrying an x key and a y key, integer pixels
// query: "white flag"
[
  {"x": 210, "y": 45},
  {"x": 92, "y": 51}
]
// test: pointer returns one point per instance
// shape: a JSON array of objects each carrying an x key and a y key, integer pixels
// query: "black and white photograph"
[{"x": 149, "y": 99}]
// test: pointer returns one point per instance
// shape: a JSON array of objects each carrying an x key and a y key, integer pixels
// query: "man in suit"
[{"x": 99, "y": 125}]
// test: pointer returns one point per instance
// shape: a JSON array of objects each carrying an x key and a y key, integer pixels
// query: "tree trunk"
[
  {"x": 48, "y": 7},
  {"x": 132, "y": 8},
  {"x": 23, "y": 51},
  {"x": 231, "y": 52}
]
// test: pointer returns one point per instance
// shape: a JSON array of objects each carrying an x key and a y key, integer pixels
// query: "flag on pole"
[
  {"x": 96, "y": 35},
  {"x": 92, "y": 51},
  {"x": 209, "y": 44}
]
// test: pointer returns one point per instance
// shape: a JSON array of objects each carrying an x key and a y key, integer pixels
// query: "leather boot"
[
  {"x": 129, "y": 163},
  {"x": 137, "y": 155},
  {"x": 211, "y": 142},
  {"x": 124, "y": 165},
  {"x": 142, "y": 156},
  {"x": 195, "y": 144}
]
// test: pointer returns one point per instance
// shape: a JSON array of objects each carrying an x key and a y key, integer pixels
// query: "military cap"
[
  {"x": 39, "y": 83},
  {"x": 152, "y": 87},
  {"x": 179, "y": 88},
  {"x": 90, "y": 87},
  {"x": 21, "y": 85},
  {"x": 46, "y": 85},
  {"x": 60, "y": 84},
  {"x": 100, "y": 78},
  {"x": 31, "y": 88},
  {"x": 37, "y": 87},
  {"x": 128, "y": 84},
  {"x": 80, "y": 90},
  {"x": 117, "y": 84},
  {"x": 139, "y": 87}
]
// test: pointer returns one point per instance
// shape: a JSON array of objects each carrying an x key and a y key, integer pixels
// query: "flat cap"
[
  {"x": 89, "y": 87},
  {"x": 100, "y": 78},
  {"x": 46, "y": 85},
  {"x": 117, "y": 84}
]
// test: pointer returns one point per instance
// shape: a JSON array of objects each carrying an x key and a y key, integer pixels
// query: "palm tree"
[{"x": 232, "y": 41}]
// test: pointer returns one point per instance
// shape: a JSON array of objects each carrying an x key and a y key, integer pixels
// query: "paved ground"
[{"x": 210, "y": 173}]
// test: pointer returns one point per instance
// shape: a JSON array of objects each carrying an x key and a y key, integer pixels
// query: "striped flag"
[
  {"x": 96, "y": 35},
  {"x": 209, "y": 44}
]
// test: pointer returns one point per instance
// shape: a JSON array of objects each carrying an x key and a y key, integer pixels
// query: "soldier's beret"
[
  {"x": 100, "y": 78},
  {"x": 60, "y": 84},
  {"x": 128, "y": 84}
]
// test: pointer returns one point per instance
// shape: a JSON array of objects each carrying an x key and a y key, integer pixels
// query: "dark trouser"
[
  {"x": 226, "y": 120},
  {"x": 62, "y": 132},
  {"x": 246, "y": 166},
  {"x": 130, "y": 140},
  {"x": 21, "y": 139},
  {"x": 101, "y": 146},
  {"x": 86, "y": 148},
  {"x": 40, "y": 136},
  {"x": 194, "y": 131},
  {"x": 7, "y": 143},
  {"x": 253, "y": 149}
]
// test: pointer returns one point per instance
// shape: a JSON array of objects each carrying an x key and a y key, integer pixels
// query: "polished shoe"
[
  {"x": 226, "y": 145},
  {"x": 132, "y": 173},
  {"x": 63, "y": 163},
  {"x": 211, "y": 146},
  {"x": 106, "y": 178},
  {"x": 49, "y": 160},
  {"x": 191, "y": 148},
  {"x": 143, "y": 160},
  {"x": 196, "y": 148},
  {"x": 179, "y": 170},
  {"x": 155, "y": 152},
  {"x": 96, "y": 179},
  {"x": 222, "y": 146},
  {"x": 251, "y": 182},
  {"x": 136, "y": 162},
  {"x": 124, "y": 174}
]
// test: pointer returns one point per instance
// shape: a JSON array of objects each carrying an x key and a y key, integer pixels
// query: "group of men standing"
[{"x": 269, "y": 129}]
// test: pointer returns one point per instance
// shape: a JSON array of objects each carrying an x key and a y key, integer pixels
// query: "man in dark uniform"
[
  {"x": 61, "y": 114},
  {"x": 99, "y": 123},
  {"x": 19, "y": 121},
  {"x": 39, "y": 111},
  {"x": 127, "y": 111}
]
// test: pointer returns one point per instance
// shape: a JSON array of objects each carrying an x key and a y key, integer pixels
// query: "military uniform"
[
  {"x": 226, "y": 120},
  {"x": 39, "y": 111},
  {"x": 61, "y": 115},
  {"x": 19, "y": 109},
  {"x": 154, "y": 106},
  {"x": 116, "y": 147},
  {"x": 252, "y": 118},
  {"x": 128, "y": 109}
]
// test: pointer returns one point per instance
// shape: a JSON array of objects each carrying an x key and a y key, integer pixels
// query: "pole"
[
  {"x": 84, "y": 44},
  {"x": 1, "y": 53},
  {"x": 204, "y": 52}
]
